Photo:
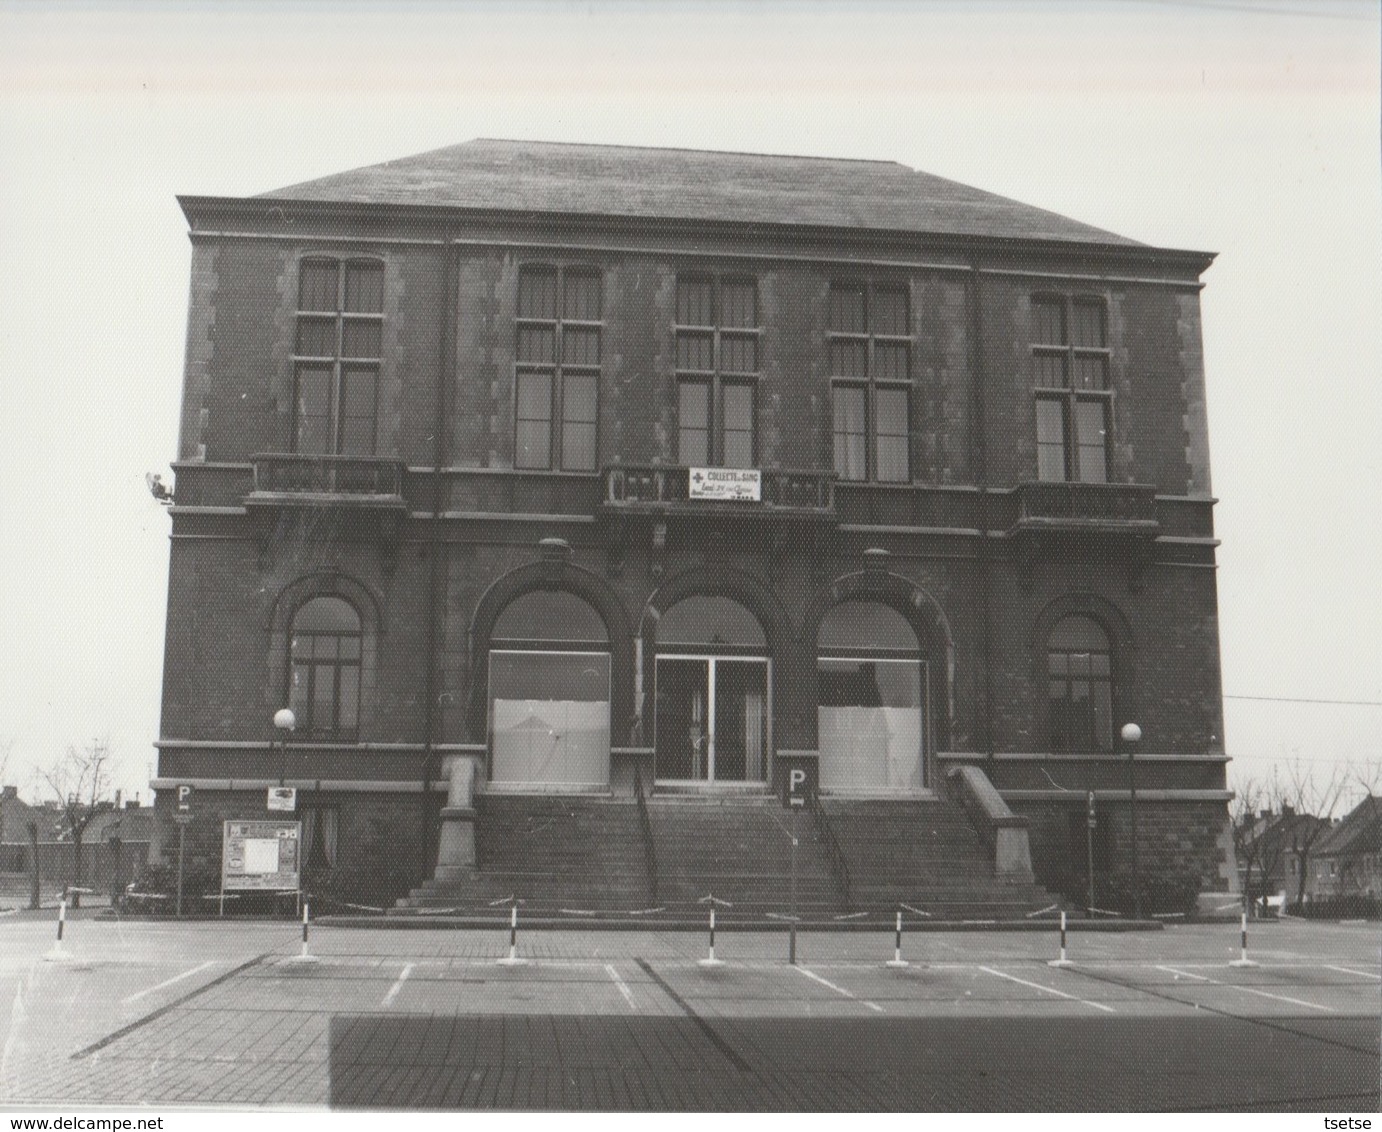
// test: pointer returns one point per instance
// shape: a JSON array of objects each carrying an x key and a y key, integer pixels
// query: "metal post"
[
  {"x": 710, "y": 960},
  {"x": 1130, "y": 734},
  {"x": 897, "y": 960},
  {"x": 182, "y": 845},
  {"x": 1243, "y": 960},
  {"x": 792, "y": 930},
  {"x": 58, "y": 954},
  {"x": 512, "y": 960},
  {"x": 1089, "y": 855},
  {"x": 1062, "y": 961}
]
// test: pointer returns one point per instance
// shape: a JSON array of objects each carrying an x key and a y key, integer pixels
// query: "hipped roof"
[{"x": 693, "y": 185}]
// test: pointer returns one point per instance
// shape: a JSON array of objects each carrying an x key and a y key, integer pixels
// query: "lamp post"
[
  {"x": 285, "y": 721},
  {"x": 1130, "y": 734}
]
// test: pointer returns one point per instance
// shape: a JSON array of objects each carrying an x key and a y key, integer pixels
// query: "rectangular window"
[
  {"x": 557, "y": 351},
  {"x": 693, "y": 423},
  {"x": 850, "y": 436},
  {"x": 871, "y": 348},
  {"x": 717, "y": 365},
  {"x": 738, "y": 418},
  {"x": 892, "y": 412},
  {"x": 337, "y": 349},
  {"x": 533, "y": 411},
  {"x": 1070, "y": 370}
]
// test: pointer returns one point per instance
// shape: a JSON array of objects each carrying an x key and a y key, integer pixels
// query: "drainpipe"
[
  {"x": 979, "y": 450},
  {"x": 447, "y": 357}
]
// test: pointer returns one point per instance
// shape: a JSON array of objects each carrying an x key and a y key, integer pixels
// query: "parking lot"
[{"x": 209, "y": 1014}]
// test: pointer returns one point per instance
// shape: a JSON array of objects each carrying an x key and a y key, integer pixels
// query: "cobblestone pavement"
[{"x": 210, "y": 1014}]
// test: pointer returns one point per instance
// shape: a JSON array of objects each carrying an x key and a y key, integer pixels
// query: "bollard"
[
  {"x": 792, "y": 942},
  {"x": 513, "y": 959},
  {"x": 1062, "y": 961},
  {"x": 1243, "y": 960},
  {"x": 58, "y": 953},
  {"x": 304, "y": 956},
  {"x": 897, "y": 960},
  {"x": 710, "y": 960}
]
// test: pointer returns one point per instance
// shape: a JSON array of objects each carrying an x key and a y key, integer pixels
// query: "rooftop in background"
[
  {"x": 1360, "y": 831},
  {"x": 696, "y": 185}
]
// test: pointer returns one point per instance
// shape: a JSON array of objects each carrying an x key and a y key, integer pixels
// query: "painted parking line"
[
  {"x": 166, "y": 983},
  {"x": 398, "y": 984},
  {"x": 1350, "y": 971},
  {"x": 623, "y": 986},
  {"x": 841, "y": 990},
  {"x": 1050, "y": 990},
  {"x": 1248, "y": 990}
]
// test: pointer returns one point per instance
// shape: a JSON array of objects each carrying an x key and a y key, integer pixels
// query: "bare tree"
[
  {"x": 1258, "y": 819},
  {"x": 81, "y": 784},
  {"x": 1311, "y": 798}
]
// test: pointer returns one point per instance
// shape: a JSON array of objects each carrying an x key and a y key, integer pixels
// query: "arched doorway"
[
  {"x": 549, "y": 692},
  {"x": 871, "y": 709},
  {"x": 712, "y": 687}
]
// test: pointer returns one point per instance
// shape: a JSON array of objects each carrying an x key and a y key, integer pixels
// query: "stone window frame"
[
  {"x": 720, "y": 374},
  {"x": 1061, "y": 383},
  {"x": 340, "y": 363},
  {"x": 286, "y": 603},
  {"x": 340, "y": 671},
  {"x": 1122, "y": 658},
  {"x": 872, "y": 383},
  {"x": 560, "y": 370}
]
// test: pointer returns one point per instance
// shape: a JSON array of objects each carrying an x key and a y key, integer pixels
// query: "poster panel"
[{"x": 261, "y": 856}]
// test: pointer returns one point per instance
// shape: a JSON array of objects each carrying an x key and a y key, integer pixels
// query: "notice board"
[{"x": 261, "y": 856}]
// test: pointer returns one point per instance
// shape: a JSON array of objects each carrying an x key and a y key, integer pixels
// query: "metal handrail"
[{"x": 834, "y": 854}]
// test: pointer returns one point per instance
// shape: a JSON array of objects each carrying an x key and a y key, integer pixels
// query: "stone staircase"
[
  {"x": 925, "y": 853},
  {"x": 738, "y": 848},
  {"x": 589, "y": 853},
  {"x": 551, "y": 851}
]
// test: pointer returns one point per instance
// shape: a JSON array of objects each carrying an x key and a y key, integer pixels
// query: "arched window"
[
  {"x": 549, "y": 683},
  {"x": 324, "y": 668},
  {"x": 870, "y": 712},
  {"x": 1079, "y": 666}
]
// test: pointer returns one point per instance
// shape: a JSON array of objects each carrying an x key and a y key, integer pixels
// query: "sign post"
[
  {"x": 183, "y": 816},
  {"x": 1091, "y": 821},
  {"x": 796, "y": 799}
]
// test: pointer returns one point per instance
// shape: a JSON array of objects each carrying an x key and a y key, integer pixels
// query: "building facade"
[{"x": 597, "y": 468}]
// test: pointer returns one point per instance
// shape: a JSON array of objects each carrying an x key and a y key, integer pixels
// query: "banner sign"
[
  {"x": 260, "y": 856},
  {"x": 283, "y": 798},
  {"x": 725, "y": 483}
]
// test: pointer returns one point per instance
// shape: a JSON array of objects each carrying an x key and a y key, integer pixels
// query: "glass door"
[{"x": 712, "y": 719}]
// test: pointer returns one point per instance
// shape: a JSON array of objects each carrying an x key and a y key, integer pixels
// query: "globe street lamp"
[
  {"x": 1130, "y": 734},
  {"x": 285, "y": 721}
]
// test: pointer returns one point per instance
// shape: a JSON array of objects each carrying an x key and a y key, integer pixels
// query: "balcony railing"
[
  {"x": 1117, "y": 506},
  {"x": 659, "y": 486},
  {"x": 350, "y": 477}
]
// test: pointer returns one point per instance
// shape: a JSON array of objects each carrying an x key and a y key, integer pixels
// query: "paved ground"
[{"x": 211, "y": 1014}]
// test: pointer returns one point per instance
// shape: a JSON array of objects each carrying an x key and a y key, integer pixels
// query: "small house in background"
[
  {"x": 1347, "y": 861},
  {"x": 115, "y": 844}
]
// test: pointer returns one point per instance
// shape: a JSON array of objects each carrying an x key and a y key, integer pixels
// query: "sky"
[{"x": 1245, "y": 127}]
